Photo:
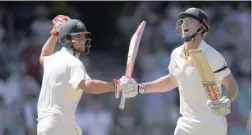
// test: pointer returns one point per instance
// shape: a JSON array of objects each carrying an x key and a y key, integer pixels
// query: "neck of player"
[{"x": 193, "y": 44}]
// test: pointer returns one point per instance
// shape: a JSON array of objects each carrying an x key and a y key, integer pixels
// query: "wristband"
[
  {"x": 141, "y": 88},
  {"x": 116, "y": 82},
  {"x": 54, "y": 33}
]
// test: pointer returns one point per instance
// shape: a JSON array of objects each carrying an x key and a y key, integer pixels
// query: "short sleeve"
[
  {"x": 77, "y": 74},
  {"x": 47, "y": 58},
  {"x": 218, "y": 64},
  {"x": 171, "y": 63}
]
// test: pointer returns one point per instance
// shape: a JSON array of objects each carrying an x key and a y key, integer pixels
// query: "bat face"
[{"x": 205, "y": 73}]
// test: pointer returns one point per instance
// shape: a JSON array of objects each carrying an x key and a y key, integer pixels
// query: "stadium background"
[{"x": 25, "y": 27}]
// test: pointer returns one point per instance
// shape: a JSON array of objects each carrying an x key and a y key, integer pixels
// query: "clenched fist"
[{"x": 57, "y": 21}]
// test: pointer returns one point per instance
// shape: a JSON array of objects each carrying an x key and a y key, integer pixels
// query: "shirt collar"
[
  {"x": 70, "y": 51},
  {"x": 202, "y": 46}
]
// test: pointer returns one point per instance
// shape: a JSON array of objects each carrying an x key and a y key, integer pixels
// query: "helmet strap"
[
  {"x": 87, "y": 47},
  {"x": 70, "y": 46},
  {"x": 75, "y": 51},
  {"x": 192, "y": 38}
]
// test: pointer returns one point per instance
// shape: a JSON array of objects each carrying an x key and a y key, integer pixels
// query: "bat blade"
[
  {"x": 205, "y": 73},
  {"x": 132, "y": 53},
  {"x": 133, "y": 49}
]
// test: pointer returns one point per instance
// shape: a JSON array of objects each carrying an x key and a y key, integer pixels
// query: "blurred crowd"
[{"x": 23, "y": 32}]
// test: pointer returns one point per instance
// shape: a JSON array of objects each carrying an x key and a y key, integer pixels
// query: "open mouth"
[{"x": 186, "y": 30}]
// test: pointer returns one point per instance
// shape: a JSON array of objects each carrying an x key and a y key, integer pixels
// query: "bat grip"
[
  {"x": 117, "y": 94},
  {"x": 122, "y": 102}
]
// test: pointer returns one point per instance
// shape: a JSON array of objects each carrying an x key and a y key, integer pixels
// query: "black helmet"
[
  {"x": 197, "y": 14},
  {"x": 73, "y": 27}
]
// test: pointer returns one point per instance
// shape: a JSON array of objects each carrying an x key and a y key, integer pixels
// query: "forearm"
[
  {"x": 232, "y": 93},
  {"x": 98, "y": 86},
  {"x": 162, "y": 84},
  {"x": 231, "y": 86},
  {"x": 48, "y": 48}
]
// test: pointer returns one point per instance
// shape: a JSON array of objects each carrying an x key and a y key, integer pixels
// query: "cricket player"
[
  {"x": 200, "y": 116},
  {"x": 65, "y": 78}
]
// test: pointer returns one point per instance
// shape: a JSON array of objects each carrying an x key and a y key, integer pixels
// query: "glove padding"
[
  {"x": 57, "y": 21},
  {"x": 128, "y": 86},
  {"x": 221, "y": 106}
]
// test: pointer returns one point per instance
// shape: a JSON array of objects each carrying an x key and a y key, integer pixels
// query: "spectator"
[
  {"x": 20, "y": 85},
  {"x": 30, "y": 56}
]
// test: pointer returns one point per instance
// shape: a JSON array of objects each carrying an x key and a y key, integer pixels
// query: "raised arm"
[
  {"x": 162, "y": 84},
  {"x": 48, "y": 48}
]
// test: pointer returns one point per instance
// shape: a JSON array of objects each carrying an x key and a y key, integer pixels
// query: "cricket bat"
[
  {"x": 132, "y": 53},
  {"x": 205, "y": 73}
]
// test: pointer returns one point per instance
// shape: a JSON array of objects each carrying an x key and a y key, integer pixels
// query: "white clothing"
[
  {"x": 59, "y": 97},
  {"x": 200, "y": 126},
  {"x": 196, "y": 115},
  {"x": 54, "y": 125}
]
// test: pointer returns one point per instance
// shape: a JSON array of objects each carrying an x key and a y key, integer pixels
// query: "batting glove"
[
  {"x": 57, "y": 21},
  {"x": 128, "y": 86},
  {"x": 221, "y": 106}
]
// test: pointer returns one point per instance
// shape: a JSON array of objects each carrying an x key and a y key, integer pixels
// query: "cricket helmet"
[
  {"x": 193, "y": 29},
  {"x": 197, "y": 14},
  {"x": 70, "y": 28}
]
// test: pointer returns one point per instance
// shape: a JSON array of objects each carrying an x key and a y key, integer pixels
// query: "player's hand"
[
  {"x": 221, "y": 106},
  {"x": 128, "y": 86},
  {"x": 57, "y": 21}
]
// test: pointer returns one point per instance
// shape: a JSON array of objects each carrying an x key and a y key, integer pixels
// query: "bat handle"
[
  {"x": 117, "y": 94},
  {"x": 122, "y": 102}
]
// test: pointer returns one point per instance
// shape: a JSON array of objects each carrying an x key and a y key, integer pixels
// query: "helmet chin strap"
[
  {"x": 75, "y": 51},
  {"x": 190, "y": 38}
]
